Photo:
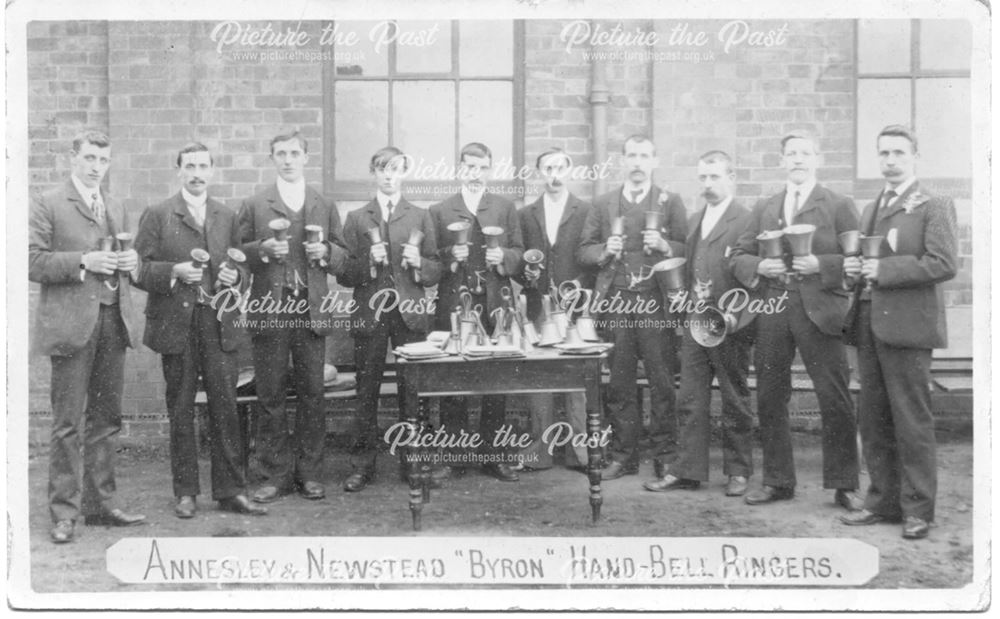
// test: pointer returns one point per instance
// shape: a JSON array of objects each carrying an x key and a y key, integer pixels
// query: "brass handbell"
[
  {"x": 279, "y": 230},
  {"x": 850, "y": 242},
  {"x": 654, "y": 221},
  {"x": 669, "y": 275},
  {"x": 528, "y": 331},
  {"x": 454, "y": 344},
  {"x": 375, "y": 237},
  {"x": 533, "y": 263},
  {"x": 769, "y": 246},
  {"x": 585, "y": 325},
  {"x": 618, "y": 229},
  {"x": 871, "y": 249},
  {"x": 557, "y": 315},
  {"x": 550, "y": 335},
  {"x": 461, "y": 231},
  {"x": 572, "y": 337}
]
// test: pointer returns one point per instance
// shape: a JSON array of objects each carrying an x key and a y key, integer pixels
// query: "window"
[
  {"x": 916, "y": 72},
  {"x": 429, "y": 89}
]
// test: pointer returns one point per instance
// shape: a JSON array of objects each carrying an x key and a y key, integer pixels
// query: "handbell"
[
  {"x": 800, "y": 238},
  {"x": 850, "y": 242},
  {"x": 234, "y": 257},
  {"x": 416, "y": 238},
  {"x": 669, "y": 276},
  {"x": 618, "y": 226},
  {"x": 572, "y": 337},
  {"x": 587, "y": 329},
  {"x": 107, "y": 243},
  {"x": 492, "y": 235},
  {"x": 549, "y": 335},
  {"x": 200, "y": 258},
  {"x": 461, "y": 231},
  {"x": 871, "y": 246},
  {"x": 279, "y": 230},
  {"x": 314, "y": 233},
  {"x": 454, "y": 344},
  {"x": 533, "y": 259},
  {"x": 769, "y": 244},
  {"x": 124, "y": 240},
  {"x": 710, "y": 327},
  {"x": 374, "y": 235},
  {"x": 654, "y": 221}
]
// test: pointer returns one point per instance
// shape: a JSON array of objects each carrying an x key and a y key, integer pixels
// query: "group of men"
[{"x": 191, "y": 254}]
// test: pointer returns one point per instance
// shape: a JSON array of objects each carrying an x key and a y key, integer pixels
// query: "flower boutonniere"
[
  {"x": 660, "y": 201},
  {"x": 914, "y": 200}
]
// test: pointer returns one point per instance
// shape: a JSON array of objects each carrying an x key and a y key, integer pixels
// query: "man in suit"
[
  {"x": 895, "y": 324},
  {"x": 553, "y": 224},
  {"x": 813, "y": 304},
  {"x": 714, "y": 231},
  {"x": 389, "y": 281},
  {"x": 625, "y": 278},
  {"x": 84, "y": 322},
  {"x": 286, "y": 318},
  {"x": 191, "y": 316},
  {"x": 484, "y": 272}
]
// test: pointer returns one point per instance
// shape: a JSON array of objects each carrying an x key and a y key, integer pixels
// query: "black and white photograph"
[{"x": 562, "y": 305}]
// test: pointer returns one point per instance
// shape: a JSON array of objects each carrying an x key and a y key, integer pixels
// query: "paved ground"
[{"x": 550, "y": 503}]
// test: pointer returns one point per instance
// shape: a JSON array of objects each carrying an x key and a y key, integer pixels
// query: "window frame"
[{"x": 363, "y": 189}]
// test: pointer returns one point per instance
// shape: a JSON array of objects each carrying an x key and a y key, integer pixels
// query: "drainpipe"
[{"x": 599, "y": 110}]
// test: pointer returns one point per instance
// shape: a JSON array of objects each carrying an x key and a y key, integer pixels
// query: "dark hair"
[
  {"x": 799, "y": 135},
  {"x": 715, "y": 156},
  {"x": 97, "y": 138},
  {"x": 900, "y": 131},
  {"x": 475, "y": 149},
  {"x": 284, "y": 137},
  {"x": 194, "y": 147},
  {"x": 554, "y": 150},
  {"x": 385, "y": 156},
  {"x": 638, "y": 138}
]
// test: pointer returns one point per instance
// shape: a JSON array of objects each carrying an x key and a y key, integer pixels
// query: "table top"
[{"x": 535, "y": 355}]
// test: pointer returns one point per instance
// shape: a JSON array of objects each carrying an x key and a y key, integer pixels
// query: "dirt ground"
[{"x": 548, "y": 503}]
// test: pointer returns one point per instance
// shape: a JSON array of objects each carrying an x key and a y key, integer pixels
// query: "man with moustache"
[
  {"x": 811, "y": 322},
  {"x": 895, "y": 324},
  {"x": 625, "y": 273},
  {"x": 482, "y": 271},
  {"x": 290, "y": 272},
  {"x": 392, "y": 273},
  {"x": 186, "y": 324},
  {"x": 714, "y": 231},
  {"x": 84, "y": 322},
  {"x": 553, "y": 224}
]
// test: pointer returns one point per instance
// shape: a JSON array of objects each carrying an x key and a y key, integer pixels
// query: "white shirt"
[
  {"x": 804, "y": 190},
  {"x": 900, "y": 190},
  {"x": 472, "y": 199},
  {"x": 196, "y": 205},
  {"x": 712, "y": 216},
  {"x": 292, "y": 194},
  {"x": 627, "y": 192},
  {"x": 383, "y": 203},
  {"x": 553, "y": 209},
  {"x": 87, "y": 193}
]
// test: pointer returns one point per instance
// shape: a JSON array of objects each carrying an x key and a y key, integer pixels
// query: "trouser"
[
  {"x": 87, "y": 401},
  {"x": 897, "y": 426},
  {"x": 729, "y": 364},
  {"x": 778, "y": 335},
  {"x": 639, "y": 336},
  {"x": 538, "y": 454},
  {"x": 369, "y": 359},
  {"x": 219, "y": 369},
  {"x": 285, "y": 460}
]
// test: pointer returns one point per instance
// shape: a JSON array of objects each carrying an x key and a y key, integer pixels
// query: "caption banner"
[{"x": 558, "y": 561}]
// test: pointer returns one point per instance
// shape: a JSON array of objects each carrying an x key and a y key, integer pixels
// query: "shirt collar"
[
  {"x": 193, "y": 200},
  {"x": 721, "y": 206},
  {"x": 645, "y": 187},
  {"x": 383, "y": 199},
  {"x": 87, "y": 193},
  {"x": 472, "y": 199},
  {"x": 804, "y": 189},
  {"x": 557, "y": 203},
  {"x": 903, "y": 187}
]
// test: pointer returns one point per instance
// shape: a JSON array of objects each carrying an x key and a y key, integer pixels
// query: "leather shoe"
[
  {"x": 357, "y": 481},
  {"x": 768, "y": 494},
  {"x": 521, "y": 467},
  {"x": 849, "y": 500},
  {"x": 185, "y": 507},
  {"x": 862, "y": 518},
  {"x": 501, "y": 471},
  {"x": 737, "y": 485},
  {"x": 268, "y": 494},
  {"x": 669, "y": 482},
  {"x": 616, "y": 469},
  {"x": 915, "y": 528},
  {"x": 312, "y": 490},
  {"x": 115, "y": 518},
  {"x": 62, "y": 532},
  {"x": 240, "y": 504}
]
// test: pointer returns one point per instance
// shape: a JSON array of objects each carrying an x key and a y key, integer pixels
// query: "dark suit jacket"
[
  {"x": 560, "y": 259},
  {"x": 907, "y": 304},
  {"x": 269, "y": 276},
  {"x": 61, "y": 228},
  {"x": 822, "y": 293},
  {"x": 415, "y": 310},
  {"x": 167, "y": 234},
  {"x": 720, "y": 243},
  {"x": 493, "y": 211},
  {"x": 597, "y": 229}
]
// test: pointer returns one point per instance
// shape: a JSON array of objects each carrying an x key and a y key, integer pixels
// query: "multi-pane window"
[
  {"x": 916, "y": 72},
  {"x": 435, "y": 87}
]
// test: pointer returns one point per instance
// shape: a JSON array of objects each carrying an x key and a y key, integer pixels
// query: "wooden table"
[{"x": 542, "y": 371}]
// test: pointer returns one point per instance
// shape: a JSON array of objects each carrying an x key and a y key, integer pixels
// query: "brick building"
[{"x": 519, "y": 86}]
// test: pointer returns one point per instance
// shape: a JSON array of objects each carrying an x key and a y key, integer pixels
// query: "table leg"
[
  {"x": 593, "y": 383},
  {"x": 413, "y": 462}
]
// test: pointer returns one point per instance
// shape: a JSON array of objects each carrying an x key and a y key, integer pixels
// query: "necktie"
[
  {"x": 97, "y": 207},
  {"x": 199, "y": 218},
  {"x": 795, "y": 205},
  {"x": 635, "y": 195},
  {"x": 888, "y": 198},
  {"x": 388, "y": 211}
]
